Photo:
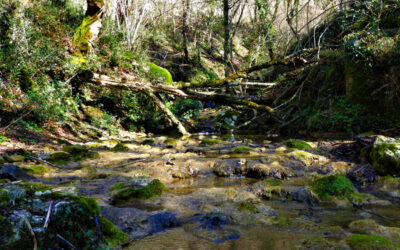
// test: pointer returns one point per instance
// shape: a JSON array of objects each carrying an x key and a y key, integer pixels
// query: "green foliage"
[
  {"x": 370, "y": 242},
  {"x": 330, "y": 186},
  {"x": 3, "y": 139},
  {"x": 159, "y": 73},
  {"x": 186, "y": 109},
  {"x": 226, "y": 119},
  {"x": 337, "y": 114}
]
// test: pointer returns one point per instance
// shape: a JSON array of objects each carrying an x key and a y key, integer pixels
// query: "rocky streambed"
[{"x": 204, "y": 192}]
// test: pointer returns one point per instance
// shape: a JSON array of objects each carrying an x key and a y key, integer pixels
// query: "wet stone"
[{"x": 12, "y": 172}]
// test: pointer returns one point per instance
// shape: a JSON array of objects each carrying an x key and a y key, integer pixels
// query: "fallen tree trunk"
[
  {"x": 296, "y": 60},
  {"x": 168, "y": 113},
  {"x": 105, "y": 81}
]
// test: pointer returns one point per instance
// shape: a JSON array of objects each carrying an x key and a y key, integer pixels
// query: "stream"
[{"x": 224, "y": 192}]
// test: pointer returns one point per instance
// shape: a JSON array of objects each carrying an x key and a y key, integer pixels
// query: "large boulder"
[
  {"x": 385, "y": 156},
  {"x": 12, "y": 172}
]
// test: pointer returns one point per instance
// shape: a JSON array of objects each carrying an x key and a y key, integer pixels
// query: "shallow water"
[{"x": 192, "y": 200}]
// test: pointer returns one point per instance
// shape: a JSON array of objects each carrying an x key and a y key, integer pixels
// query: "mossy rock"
[
  {"x": 370, "y": 242},
  {"x": 210, "y": 142},
  {"x": 80, "y": 153},
  {"x": 14, "y": 158},
  {"x": 59, "y": 156},
  {"x": 170, "y": 141},
  {"x": 305, "y": 157},
  {"x": 126, "y": 194},
  {"x": 36, "y": 169},
  {"x": 120, "y": 147},
  {"x": 147, "y": 142},
  {"x": 159, "y": 72},
  {"x": 113, "y": 236},
  {"x": 282, "y": 222},
  {"x": 242, "y": 150},
  {"x": 75, "y": 150},
  {"x": 247, "y": 206},
  {"x": 330, "y": 186},
  {"x": 385, "y": 156},
  {"x": 297, "y": 144},
  {"x": 317, "y": 243}
]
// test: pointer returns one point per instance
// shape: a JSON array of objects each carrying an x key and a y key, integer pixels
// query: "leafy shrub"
[{"x": 186, "y": 109}]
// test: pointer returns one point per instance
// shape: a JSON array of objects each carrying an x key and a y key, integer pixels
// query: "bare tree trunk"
[
  {"x": 226, "y": 36},
  {"x": 185, "y": 5}
]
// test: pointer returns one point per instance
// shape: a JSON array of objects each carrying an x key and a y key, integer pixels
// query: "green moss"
[
  {"x": 118, "y": 186},
  {"x": 247, "y": 206},
  {"x": 317, "y": 243},
  {"x": 32, "y": 187},
  {"x": 159, "y": 72},
  {"x": 14, "y": 158},
  {"x": 82, "y": 34},
  {"x": 273, "y": 182},
  {"x": 370, "y": 242},
  {"x": 298, "y": 144},
  {"x": 170, "y": 141},
  {"x": 330, "y": 186},
  {"x": 87, "y": 202},
  {"x": 89, "y": 170},
  {"x": 75, "y": 150},
  {"x": 357, "y": 198},
  {"x": 147, "y": 142},
  {"x": 59, "y": 156},
  {"x": 120, "y": 147},
  {"x": 303, "y": 156},
  {"x": 242, "y": 150},
  {"x": 281, "y": 221},
  {"x": 37, "y": 169},
  {"x": 155, "y": 188},
  {"x": 210, "y": 142},
  {"x": 113, "y": 236}
]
